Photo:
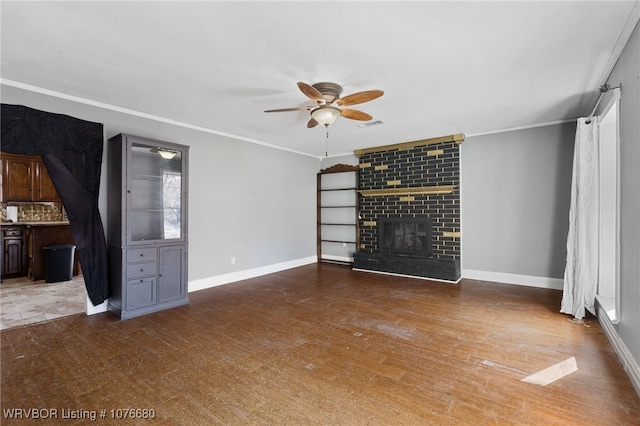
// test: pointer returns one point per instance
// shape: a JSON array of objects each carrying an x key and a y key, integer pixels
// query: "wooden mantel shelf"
[
  {"x": 457, "y": 138},
  {"x": 421, "y": 190}
]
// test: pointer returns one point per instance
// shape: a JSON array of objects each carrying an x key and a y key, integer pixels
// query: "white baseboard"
[
  {"x": 629, "y": 364},
  {"x": 517, "y": 279},
  {"x": 217, "y": 280}
]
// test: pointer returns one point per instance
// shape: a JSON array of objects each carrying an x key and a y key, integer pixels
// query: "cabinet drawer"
[
  {"x": 15, "y": 233},
  {"x": 146, "y": 269},
  {"x": 142, "y": 255}
]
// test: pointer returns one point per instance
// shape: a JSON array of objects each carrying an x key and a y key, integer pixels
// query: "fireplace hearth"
[{"x": 424, "y": 267}]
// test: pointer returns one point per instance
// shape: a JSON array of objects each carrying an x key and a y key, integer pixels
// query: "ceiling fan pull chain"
[{"x": 326, "y": 143}]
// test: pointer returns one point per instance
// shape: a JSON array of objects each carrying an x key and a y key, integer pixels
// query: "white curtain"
[{"x": 581, "y": 272}]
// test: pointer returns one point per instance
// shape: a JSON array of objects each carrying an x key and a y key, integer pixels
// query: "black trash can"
[{"x": 58, "y": 263}]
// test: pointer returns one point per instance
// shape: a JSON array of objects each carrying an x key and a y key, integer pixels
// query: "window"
[{"x": 608, "y": 293}]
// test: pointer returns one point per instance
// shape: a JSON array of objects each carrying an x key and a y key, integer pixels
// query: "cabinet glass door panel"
[
  {"x": 146, "y": 225},
  {"x": 155, "y": 193},
  {"x": 171, "y": 207}
]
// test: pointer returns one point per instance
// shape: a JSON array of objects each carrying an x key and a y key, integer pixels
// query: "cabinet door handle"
[
  {"x": 141, "y": 269},
  {"x": 141, "y": 254}
]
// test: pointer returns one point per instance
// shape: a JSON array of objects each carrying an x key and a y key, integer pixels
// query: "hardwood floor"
[{"x": 323, "y": 344}]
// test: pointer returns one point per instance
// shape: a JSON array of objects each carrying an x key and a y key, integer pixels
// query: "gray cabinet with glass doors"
[{"x": 146, "y": 225}]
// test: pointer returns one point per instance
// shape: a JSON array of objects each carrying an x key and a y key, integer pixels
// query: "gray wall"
[
  {"x": 516, "y": 189},
  {"x": 247, "y": 201},
  {"x": 627, "y": 72}
]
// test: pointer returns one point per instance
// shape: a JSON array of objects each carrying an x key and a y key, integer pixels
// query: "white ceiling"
[{"x": 445, "y": 67}]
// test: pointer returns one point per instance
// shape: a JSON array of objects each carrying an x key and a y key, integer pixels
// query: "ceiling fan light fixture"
[
  {"x": 329, "y": 105},
  {"x": 325, "y": 114}
]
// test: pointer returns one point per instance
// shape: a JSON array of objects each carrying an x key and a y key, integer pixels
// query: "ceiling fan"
[{"x": 329, "y": 104}]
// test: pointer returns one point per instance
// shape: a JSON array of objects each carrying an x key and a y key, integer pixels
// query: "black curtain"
[{"x": 71, "y": 150}]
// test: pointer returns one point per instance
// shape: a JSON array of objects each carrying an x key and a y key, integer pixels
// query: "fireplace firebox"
[{"x": 405, "y": 236}]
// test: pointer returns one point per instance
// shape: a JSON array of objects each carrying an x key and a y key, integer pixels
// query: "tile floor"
[{"x": 23, "y": 301}]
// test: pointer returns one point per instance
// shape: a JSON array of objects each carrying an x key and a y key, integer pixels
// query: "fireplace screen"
[{"x": 405, "y": 236}]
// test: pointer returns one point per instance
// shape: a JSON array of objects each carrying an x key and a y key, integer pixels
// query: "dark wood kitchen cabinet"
[
  {"x": 17, "y": 177},
  {"x": 14, "y": 252},
  {"x": 43, "y": 188},
  {"x": 23, "y": 248},
  {"x": 25, "y": 178},
  {"x": 147, "y": 225}
]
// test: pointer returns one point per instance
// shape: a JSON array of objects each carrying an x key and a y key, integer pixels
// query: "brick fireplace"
[{"x": 409, "y": 195}]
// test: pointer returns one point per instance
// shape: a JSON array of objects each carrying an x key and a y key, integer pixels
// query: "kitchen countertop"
[{"x": 58, "y": 223}]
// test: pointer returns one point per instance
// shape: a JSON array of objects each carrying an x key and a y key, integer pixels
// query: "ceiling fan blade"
[
  {"x": 312, "y": 123},
  {"x": 354, "y": 114},
  {"x": 307, "y": 108},
  {"x": 360, "y": 97},
  {"x": 312, "y": 93}
]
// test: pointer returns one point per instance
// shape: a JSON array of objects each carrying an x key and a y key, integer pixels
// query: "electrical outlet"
[{"x": 233, "y": 260}]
